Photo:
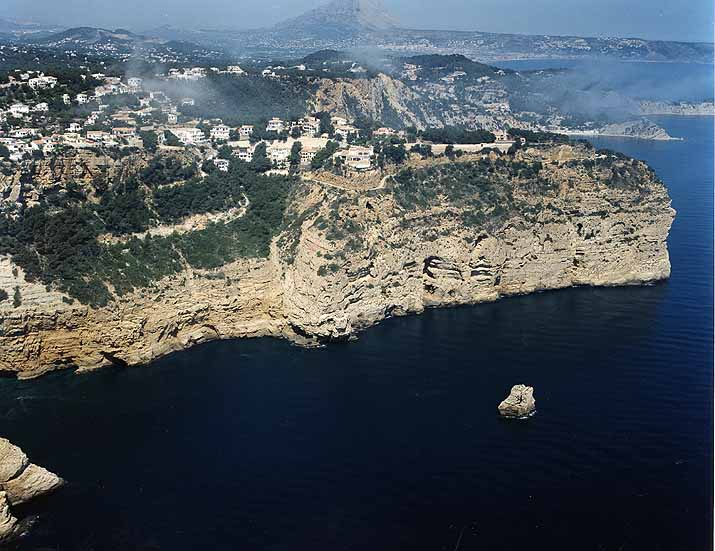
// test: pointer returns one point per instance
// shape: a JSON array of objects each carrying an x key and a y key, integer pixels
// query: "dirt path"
[{"x": 346, "y": 186}]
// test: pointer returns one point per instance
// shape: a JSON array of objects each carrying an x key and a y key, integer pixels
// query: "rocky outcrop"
[
  {"x": 380, "y": 98},
  {"x": 34, "y": 481},
  {"x": 8, "y": 523},
  {"x": 519, "y": 404},
  {"x": 642, "y": 129},
  {"x": 349, "y": 259},
  {"x": 20, "y": 482}
]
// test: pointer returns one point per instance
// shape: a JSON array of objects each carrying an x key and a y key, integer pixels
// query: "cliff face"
[
  {"x": 381, "y": 98},
  {"x": 579, "y": 232},
  {"x": 440, "y": 235},
  {"x": 395, "y": 103}
]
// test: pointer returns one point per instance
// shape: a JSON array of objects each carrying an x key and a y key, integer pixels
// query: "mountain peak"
[{"x": 343, "y": 15}]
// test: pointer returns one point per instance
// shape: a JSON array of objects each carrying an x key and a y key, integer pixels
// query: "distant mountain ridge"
[
  {"x": 18, "y": 28},
  {"x": 344, "y": 25},
  {"x": 91, "y": 35},
  {"x": 350, "y": 16}
]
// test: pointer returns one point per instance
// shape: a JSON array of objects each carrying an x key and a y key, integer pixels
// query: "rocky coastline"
[
  {"x": 681, "y": 109},
  {"x": 20, "y": 482},
  {"x": 575, "y": 224},
  {"x": 641, "y": 129}
]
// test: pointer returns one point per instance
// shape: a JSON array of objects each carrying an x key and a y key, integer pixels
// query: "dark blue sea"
[{"x": 393, "y": 441}]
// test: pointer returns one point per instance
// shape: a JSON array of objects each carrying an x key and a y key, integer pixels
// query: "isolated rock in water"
[
  {"x": 20, "y": 481},
  {"x": 8, "y": 523},
  {"x": 520, "y": 403}
]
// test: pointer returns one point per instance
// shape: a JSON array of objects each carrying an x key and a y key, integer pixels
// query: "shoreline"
[
  {"x": 295, "y": 339},
  {"x": 590, "y": 134}
]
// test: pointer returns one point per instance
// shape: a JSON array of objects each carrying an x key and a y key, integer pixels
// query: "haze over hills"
[
  {"x": 90, "y": 35},
  {"x": 348, "y": 24},
  {"x": 358, "y": 24},
  {"x": 13, "y": 28},
  {"x": 350, "y": 16}
]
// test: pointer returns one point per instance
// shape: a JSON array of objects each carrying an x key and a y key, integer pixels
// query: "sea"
[{"x": 393, "y": 441}]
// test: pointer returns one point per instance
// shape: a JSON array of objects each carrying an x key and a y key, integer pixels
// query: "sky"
[{"x": 687, "y": 20}]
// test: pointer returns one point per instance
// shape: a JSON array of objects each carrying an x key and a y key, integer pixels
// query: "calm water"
[{"x": 393, "y": 442}]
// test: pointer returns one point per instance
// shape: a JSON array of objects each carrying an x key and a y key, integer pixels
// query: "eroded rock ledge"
[
  {"x": 443, "y": 235},
  {"x": 20, "y": 482}
]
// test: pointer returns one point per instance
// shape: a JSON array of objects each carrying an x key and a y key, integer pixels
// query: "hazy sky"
[{"x": 690, "y": 20}]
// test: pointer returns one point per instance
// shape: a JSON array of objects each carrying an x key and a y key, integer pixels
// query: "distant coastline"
[{"x": 680, "y": 109}]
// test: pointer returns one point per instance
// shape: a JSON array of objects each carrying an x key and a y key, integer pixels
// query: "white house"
[
  {"x": 244, "y": 151},
  {"x": 220, "y": 133},
  {"x": 123, "y": 132},
  {"x": 279, "y": 153},
  {"x": 42, "y": 82},
  {"x": 275, "y": 125},
  {"x": 358, "y": 158},
  {"x": 222, "y": 164},
  {"x": 194, "y": 73},
  {"x": 17, "y": 110},
  {"x": 190, "y": 136},
  {"x": 172, "y": 118},
  {"x": 307, "y": 154},
  {"x": 82, "y": 99},
  {"x": 384, "y": 132},
  {"x": 98, "y": 136},
  {"x": 310, "y": 126},
  {"x": 235, "y": 70},
  {"x": 246, "y": 131},
  {"x": 22, "y": 133},
  {"x": 344, "y": 130}
]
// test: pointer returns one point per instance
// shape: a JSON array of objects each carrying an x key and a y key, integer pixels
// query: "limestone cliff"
[
  {"x": 436, "y": 234},
  {"x": 381, "y": 98}
]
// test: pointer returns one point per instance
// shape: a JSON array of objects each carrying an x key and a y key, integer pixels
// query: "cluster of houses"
[
  {"x": 107, "y": 125},
  {"x": 197, "y": 73},
  {"x": 103, "y": 126},
  {"x": 156, "y": 113},
  {"x": 277, "y": 151},
  {"x": 31, "y": 129}
]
